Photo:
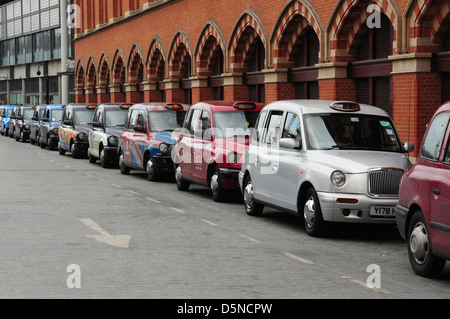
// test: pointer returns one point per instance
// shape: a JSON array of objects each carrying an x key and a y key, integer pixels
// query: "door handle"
[
  {"x": 256, "y": 161},
  {"x": 275, "y": 167},
  {"x": 436, "y": 191}
]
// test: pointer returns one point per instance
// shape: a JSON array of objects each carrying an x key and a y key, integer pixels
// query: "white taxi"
[{"x": 328, "y": 161}]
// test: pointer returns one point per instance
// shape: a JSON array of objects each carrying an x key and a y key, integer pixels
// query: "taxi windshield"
[
  {"x": 84, "y": 116},
  {"x": 115, "y": 117},
  {"x": 28, "y": 114},
  {"x": 350, "y": 131},
  {"x": 57, "y": 115},
  {"x": 165, "y": 120},
  {"x": 233, "y": 123}
]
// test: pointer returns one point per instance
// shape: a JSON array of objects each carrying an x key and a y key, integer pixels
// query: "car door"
[
  {"x": 186, "y": 151},
  {"x": 440, "y": 200},
  {"x": 139, "y": 140},
  {"x": 45, "y": 125},
  {"x": 65, "y": 127},
  {"x": 128, "y": 137},
  {"x": 286, "y": 163},
  {"x": 266, "y": 161},
  {"x": 202, "y": 148},
  {"x": 95, "y": 133}
]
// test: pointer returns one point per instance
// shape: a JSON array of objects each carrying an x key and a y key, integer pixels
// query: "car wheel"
[
  {"x": 252, "y": 207},
  {"x": 182, "y": 184},
  {"x": 312, "y": 214},
  {"x": 123, "y": 169},
  {"x": 421, "y": 257},
  {"x": 50, "y": 146},
  {"x": 73, "y": 150},
  {"x": 91, "y": 158},
  {"x": 152, "y": 174},
  {"x": 103, "y": 161},
  {"x": 61, "y": 150},
  {"x": 217, "y": 191}
]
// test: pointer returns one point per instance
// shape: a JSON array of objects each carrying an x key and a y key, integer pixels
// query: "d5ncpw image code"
[{"x": 232, "y": 308}]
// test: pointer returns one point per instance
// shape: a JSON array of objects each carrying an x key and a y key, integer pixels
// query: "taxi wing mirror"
[
  {"x": 139, "y": 128},
  {"x": 290, "y": 143},
  {"x": 68, "y": 122},
  {"x": 45, "y": 119},
  {"x": 97, "y": 124},
  {"x": 408, "y": 147}
]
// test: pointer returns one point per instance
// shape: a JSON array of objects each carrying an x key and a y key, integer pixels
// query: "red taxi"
[
  {"x": 422, "y": 213},
  {"x": 148, "y": 137},
  {"x": 215, "y": 135}
]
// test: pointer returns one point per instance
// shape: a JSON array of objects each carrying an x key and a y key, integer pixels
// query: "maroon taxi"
[
  {"x": 148, "y": 137},
  {"x": 215, "y": 135},
  {"x": 423, "y": 211}
]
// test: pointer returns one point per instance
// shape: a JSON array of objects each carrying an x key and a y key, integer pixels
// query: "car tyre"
[
  {"x": 182, "y": 184},
  {"x": 421, "y": 257},
  {"x": 61, "y": 151},
  {"x": 122, "y": 167},
  {"x": 252, "y": 207},
  {"x": 91, "y": 158},
  {"x": 217, "y": 191},
  {"x": 103, "y": 161},
  {"x": 152, "y": 174},
  {"x": 312, "y": 214},
  {"x": 73, "y": 150}
]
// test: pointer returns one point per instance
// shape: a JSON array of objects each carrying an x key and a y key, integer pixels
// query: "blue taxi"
[
  {"x": 6, "y": 117},
  {"x": 148, "y": 137}
]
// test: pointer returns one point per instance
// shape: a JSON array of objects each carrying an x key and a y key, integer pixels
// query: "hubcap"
[
  {"x": 121, "y": 161},
  {"x": 215, "y": 183},
  {"x": 178, "y": 175},
  {"x": 418, "y": 243},
  {"x": 308, "y": 212},
  {"x": 150, "y": 166},
  {"x": 102, "y": 156},
  {"x": 72, "y": 149},
  {"x": 248, "y": 195}
]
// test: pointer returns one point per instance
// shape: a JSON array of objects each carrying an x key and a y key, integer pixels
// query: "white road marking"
[
  {"x": 177, "y": 210},
  {"x": 117, "y": 186},
  {"x": 153, "y": 200},
  {"x": 305, "y": 261},
  {"x": 208, "y": 222},
  {"x": 133, "y": 192},
  {"x": 249, "y": 238},
  {"x": 122, "y": 241}
]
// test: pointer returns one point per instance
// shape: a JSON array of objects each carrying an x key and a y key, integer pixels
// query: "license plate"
[{"x": 381, "y": 211}]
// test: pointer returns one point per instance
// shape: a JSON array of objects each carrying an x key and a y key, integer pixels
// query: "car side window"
[
  {"x": 259, "y": 126},
  {"x": 432, "y": 145},
  {"x": 273, "y": 127},
  {"x": 100, "y": 117},
  {"x": 133, "y": 119},
  {"x": 291, "y": 127},
  {"x": 194, "y": 122},
  {"x": 141, "y": 120}
]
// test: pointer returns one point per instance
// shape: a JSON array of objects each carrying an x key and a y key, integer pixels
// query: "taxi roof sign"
[
  {"x": 345, "y": 106},
  {"x": 91, "y": 106},
  {"x": 125, "y": 106},
  {"x": 174, "y": 106},
  {"x": 244, "y": 105}
]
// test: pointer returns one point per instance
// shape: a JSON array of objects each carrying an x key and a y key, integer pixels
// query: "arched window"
[
  {"x": 372, "y": 69},
  {"x": 254, "y": 78}
]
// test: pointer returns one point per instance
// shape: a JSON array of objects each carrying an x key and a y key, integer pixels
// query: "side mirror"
[
  {"x": 289, "y": 143},
  {"x": 97, "y": 124},
  {"x": 68, "y": 122},
  {"x": 45, "y": 119},
  {"x": 139, "y": 128},
  {"x": 408, "y": 147},
  {"x": 34, "y": 118}
]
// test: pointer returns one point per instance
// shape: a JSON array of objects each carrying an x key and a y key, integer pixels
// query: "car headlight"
[
  {"x": 27, "y": 126},
  {"x": 81, "y": 136},
  {"x": 55, "y": 131},
  {"x": 163, "y": 147},
  {"x": 233, "y": 157},
  {"x": 112, "y": 140},
  {"x": 338, "y": 178}
]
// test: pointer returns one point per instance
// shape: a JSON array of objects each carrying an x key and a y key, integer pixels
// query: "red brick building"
[{"x": 394, "y": 54}]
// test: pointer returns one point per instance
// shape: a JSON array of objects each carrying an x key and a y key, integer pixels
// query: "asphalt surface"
[{"x": 71, "y": 229}]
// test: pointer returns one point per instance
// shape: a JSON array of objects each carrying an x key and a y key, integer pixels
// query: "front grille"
[{"x": 385, "y": 182}]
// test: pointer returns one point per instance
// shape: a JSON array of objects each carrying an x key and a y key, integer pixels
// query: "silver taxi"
[
  {"x": 108, "y": 123},
  {"x": 329, "y": 161}
]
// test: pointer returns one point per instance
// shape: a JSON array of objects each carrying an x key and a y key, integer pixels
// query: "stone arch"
[
  {"x": 136, "y": 64},
  {"x": 296, "y": 18},
  {"x": 247, "y": 30},
  {"x": 210, "y": 39},
  {"x": 80, "y": 75},
  {"x": 119, "y": 68},
  {"x": 180, "y": 51},
  {"x": 104, "y": 70},
  {"x": 350, "y": 15},
  {"x": 91, "y": 73},
  {"x": 156, "y": 60}
]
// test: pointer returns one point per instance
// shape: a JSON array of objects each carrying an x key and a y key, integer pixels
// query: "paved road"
[{"x": 70, "y": 229}]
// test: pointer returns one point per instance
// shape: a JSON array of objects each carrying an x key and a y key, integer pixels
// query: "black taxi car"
[{"x": 23, "y": 123}]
